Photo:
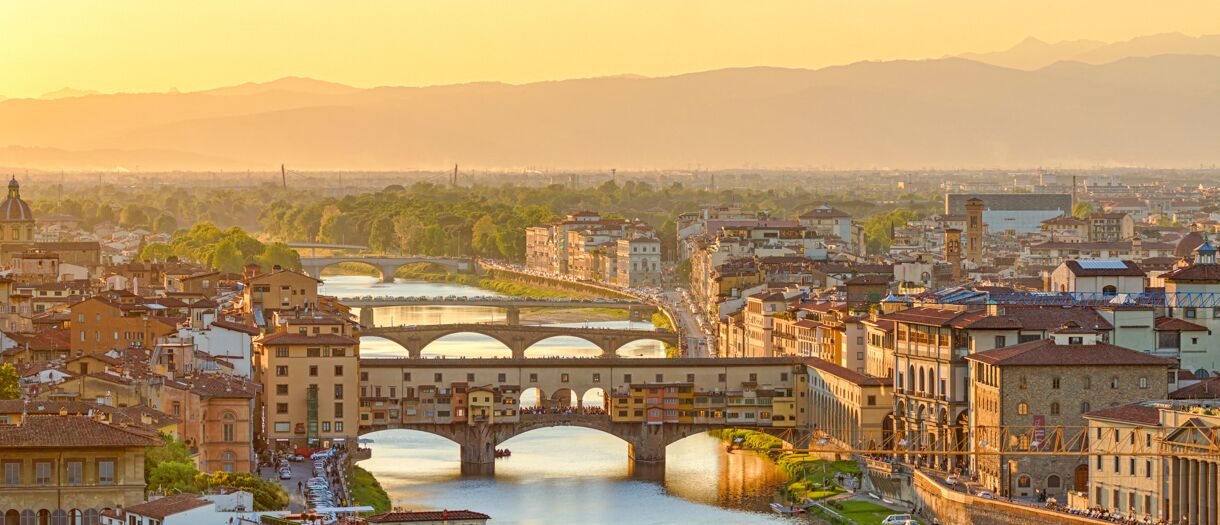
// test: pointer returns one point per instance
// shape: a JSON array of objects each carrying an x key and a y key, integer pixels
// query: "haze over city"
[{"x": 555, "y": 262}]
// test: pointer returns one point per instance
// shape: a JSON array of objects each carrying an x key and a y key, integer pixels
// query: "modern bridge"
[
  {"x": 511, "y": 305},
  {"x": 516, "y": 337},
  {"x": 648, "y": 403}
]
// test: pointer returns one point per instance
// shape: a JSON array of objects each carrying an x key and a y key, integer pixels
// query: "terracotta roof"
[
  {"x": 168, "y": 506},
  {"x": 1130, "y": 270},
  {"x": 432, "y": 515},
  {"x": 53, "y": 431},
  {"x": 1138, "y": 413},
  {"x": 1015, "y": 317},
  {"x": 230, "y": 325},
  {"x": 284, "y": 338},
  {"x": 848, "y": 374},
  {"x": 1173, "y": 324},
  {"x": 1045, "y": 352},
  {"x": 1194, "y": 272},
  {"x": 931, "y": 316},
  {"x": 1205, "y": 389},
  {"x": 211, "y": 385}
]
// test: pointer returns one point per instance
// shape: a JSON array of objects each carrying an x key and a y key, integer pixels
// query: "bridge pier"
[
  {"x": 649, "y": 445},
  {"x": 366, "y": 317},
  {"x": 387, "y": 273},
  {"x": 513, "y": 315}
]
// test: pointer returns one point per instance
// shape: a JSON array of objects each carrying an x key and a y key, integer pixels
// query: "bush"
[{"x": 366, "y": 490}]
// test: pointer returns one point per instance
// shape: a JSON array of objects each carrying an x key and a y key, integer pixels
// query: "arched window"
[
  {"x": 1109, "y": 290},
  {"x": 228, "y": 416},
  {"x": 1023, "y": 408},
  {"x": 1052, "y": 482},
  {"x": 1084, "y": 407},
  {"x": 229, "y": 456},
  {"x": 1054, "y": 409},
  {"x": 1023, "y": 482}
]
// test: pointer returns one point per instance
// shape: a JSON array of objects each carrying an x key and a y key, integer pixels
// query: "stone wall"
[{"x": 946, "y": 506}]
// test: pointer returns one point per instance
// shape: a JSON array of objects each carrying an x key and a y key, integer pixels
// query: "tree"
[
  {"x": 165, "y": 224},
  {"x": 10, "y": 382},
  {"x": 173, "y": 475},
  {"x": 157, "y": 251},
  {"x": 1082, "y": 209},
  {"x": 483, "y": 237},
  {"x": 267, "y": 495},
  {"x": 227, "y": 258},
  {"x": 278, "y": 253},
  {"x": 133, "y": 216},
  {"x": 382, "y": 237}
]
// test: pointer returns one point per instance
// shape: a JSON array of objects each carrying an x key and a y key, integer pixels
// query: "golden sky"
[{"x": 123, "y": 45}]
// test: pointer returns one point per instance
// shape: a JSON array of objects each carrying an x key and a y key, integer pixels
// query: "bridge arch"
[
  {"x": 631, "y": 345},
  {"x": 535, "y": 348},
  {"x": 595, "y": 397},
  {"x": 386, "y": 266}
]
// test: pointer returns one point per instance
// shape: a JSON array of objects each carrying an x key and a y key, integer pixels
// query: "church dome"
[{"x": 13, "y": 209}]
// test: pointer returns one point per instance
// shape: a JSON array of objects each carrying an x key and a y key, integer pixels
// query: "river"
[{"x": 563, "y": 475}]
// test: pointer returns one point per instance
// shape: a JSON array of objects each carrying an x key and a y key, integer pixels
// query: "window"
[
  {"x": 313, "y": 352},
  {"x": 364, "y": 376},
  {"x": 690, "y": 378},
  {"x": 326, "y": 426},
  {"x": 1190, "y": 313},
  {"x": 470, "y": 377},
  {"x": 313, "y": 370},
  {"x": 339, "y": 391},
  {"x": 338, "y": 426},
  {"x": 1023, "y": 482},
  {"x": 1001, "y": 341},
  {"x": 1075, "y": 340},
  {"x": 1055, "y": 383},
  {"x": 1054, "y": 409},
  {"x": 438, "y": 377},
  {"x": 338, "y": 410},
  {"x": 338, "y": 370},
  {"x": 228, "y": 432},
  {"x": 406, "y": 376},
  {"x": 1114, "y": 383},
  {"x": 626, "y": 378},
  {"x": 281, "y": 390},
  {"x": 753, "y": 378},
  {"x": 1148, "y": 468},
  {"x": 1023, "y": 408},
  {"x": 338, "y": 352},
  {"x": 722, "y": 377},
  {"x": 281, "y": 351},
  {"x": 1088, "y": 382},
  {"x": 1143, "y": 382},
  {"x": 1169, "y": 339},
  {"x": 1084, "y": 407},
  {"x": 75, "y": 471},
  {"x": 503, "y": 378},
  {"x": 660, "y": 378},
  {"x": 12, "y": 472},
  {"x": 105, "y": 472},
  {"x": 281, "y": 371},
  {"x": 1052, "y": 481},
  {"x": 42, "y": 472},
  {"x": 1131, "y": 466},
  {"x": 281, "y": 408},
  {"x": 564, "y": 378},
  {"x": 283, "y": 427},
  {"x": 1022, "y": 383}
]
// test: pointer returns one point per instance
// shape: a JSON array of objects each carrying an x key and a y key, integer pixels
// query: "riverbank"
[
  {"x": 808, "y": 477},
  {"x": 503, "y": 287},
  {"x": 366, "y": 490},
  {"x": 660, "y": 321}
]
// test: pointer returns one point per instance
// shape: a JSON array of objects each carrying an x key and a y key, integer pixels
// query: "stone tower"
[{"x": 974, "y": 230}]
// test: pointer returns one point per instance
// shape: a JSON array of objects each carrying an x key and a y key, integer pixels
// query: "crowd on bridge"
[{"x": 564, "y": 410}]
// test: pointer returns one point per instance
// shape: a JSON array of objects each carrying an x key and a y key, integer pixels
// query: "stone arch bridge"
[
  {"x": 517, "y": 338},
  {"x": 386, "y": 265},
  {"x": 648, "y": 403}
]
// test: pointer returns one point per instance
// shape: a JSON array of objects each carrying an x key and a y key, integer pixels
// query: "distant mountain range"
[
  {"x": 1032, "y": 53},
  {"x": 1160, "y": 110}
]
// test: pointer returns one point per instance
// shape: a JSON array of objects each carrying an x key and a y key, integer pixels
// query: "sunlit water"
[{"x": 562, "y": 475}]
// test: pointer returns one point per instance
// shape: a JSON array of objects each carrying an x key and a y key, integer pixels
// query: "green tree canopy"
[{"x": 10, "y": 382}]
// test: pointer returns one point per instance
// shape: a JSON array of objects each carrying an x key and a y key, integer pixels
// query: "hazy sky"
[{"x": 120, "y": 45}]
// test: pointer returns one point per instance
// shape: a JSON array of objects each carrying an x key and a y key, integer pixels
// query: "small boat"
[{"x": 784, "y": 509}]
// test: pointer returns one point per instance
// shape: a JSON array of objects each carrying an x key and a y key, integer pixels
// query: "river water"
[{"x": 562, "y": 475}]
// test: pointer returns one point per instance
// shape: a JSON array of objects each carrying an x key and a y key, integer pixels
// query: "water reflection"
[
  {"x": 570, "y": 475},
  {"x": 562, "y": 475}
]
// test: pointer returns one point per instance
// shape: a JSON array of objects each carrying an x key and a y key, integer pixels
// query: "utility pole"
[
  {"x": 453, "y": 179},
  {"x": 283, "y": 176}
]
